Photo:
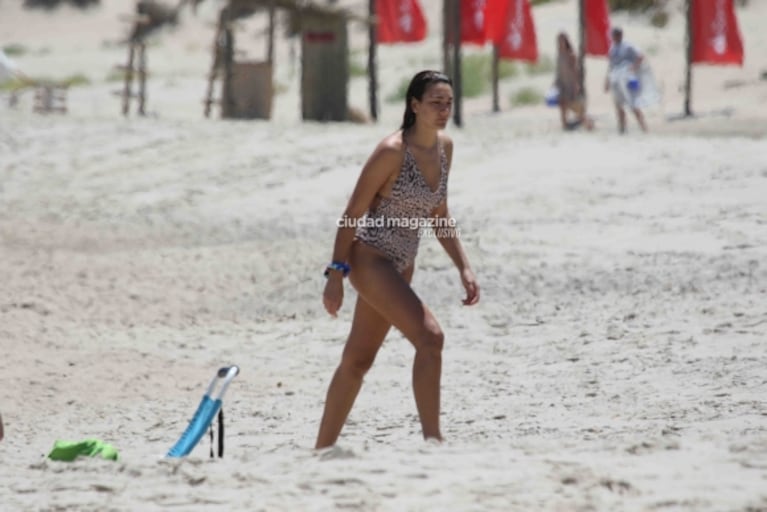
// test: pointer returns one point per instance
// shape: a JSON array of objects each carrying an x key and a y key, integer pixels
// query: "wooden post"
[
  {"x": 582, "y": 46},
  {"x": 128, "y": 79},
  {"x": 457, "y": 85},
  {"x": 270, "y": 42},
  {"x": 372, "y": 71},
  {"x": 213, "y": 72},
  {"x": 227, "y": 99},
  {"x": 447, "y": 27},
  {"x": 688, "y": 73},
  {"x": 496, "y": 77},
  {"x": 141, "y": 78},
  {"x": 215, "y": 68}
]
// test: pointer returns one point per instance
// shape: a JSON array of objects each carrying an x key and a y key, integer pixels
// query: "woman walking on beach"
[
  {"x": 403, "y": 183},
  {"x": 567, "y": 81}
]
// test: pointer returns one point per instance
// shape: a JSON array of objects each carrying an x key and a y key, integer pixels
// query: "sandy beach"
[{"x": 616, "y": 362}]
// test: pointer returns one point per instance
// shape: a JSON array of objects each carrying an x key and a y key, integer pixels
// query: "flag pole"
[
  {"x": 457, "y": 85},
  {"x": 496, "y": 76},
  {"x": 446, "y": 28},
  {"x": 372, "y": 47},
  {"x": 581, "y": 46},
  {"x": 688, "y": 73}
]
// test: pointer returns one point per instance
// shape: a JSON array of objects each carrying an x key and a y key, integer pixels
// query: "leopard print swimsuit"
[{"x": 393, "y": 226}]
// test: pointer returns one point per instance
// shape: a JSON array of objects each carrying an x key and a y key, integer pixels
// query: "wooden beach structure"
[
  {"x": 150, "y": 16},
  {"x": 246, "y": 88},
  {"x": 50, "y": 97},
  {"x": 243, "y": 89}
]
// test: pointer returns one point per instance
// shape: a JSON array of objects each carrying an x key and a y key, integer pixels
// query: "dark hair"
[{"x": 418, "y": 85}]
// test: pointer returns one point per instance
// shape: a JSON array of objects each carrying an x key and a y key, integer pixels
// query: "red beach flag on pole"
[
  {"x": 473, "y": 21},
  {"x": 510, "y": 27},
  {"x": 597, "y": 29},
  {"x": 715, "y": 35},
  {"x": 400, "y": 21}
]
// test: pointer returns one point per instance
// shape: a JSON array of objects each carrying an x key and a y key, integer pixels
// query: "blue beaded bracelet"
[{"x": 338, "y": 265}]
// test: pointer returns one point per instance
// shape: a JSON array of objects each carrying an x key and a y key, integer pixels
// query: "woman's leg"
[
  {"x": 563, "y": 113},
  {"x": 640, "y": 119},
  {"x": 579, "y": 108},
  {"x": 383, "y": 288},
  {"x": 621, "y": 118},
  {"x": 367, "y": 334}
]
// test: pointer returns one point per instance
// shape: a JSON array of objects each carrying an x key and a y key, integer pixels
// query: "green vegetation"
[
  {"x": 279, "y": 88},
  {"x": 544, "y": 66},
  {"x": 356, "y": 69},
  {"x": 476, "y": 76},
  {"x": 634, "y": 5},
  {"x": 11, "y": 85},
  {"x": 659, "y": 19},
  {"x": 70, "y": 81},
  {"x": 401, "y": 92},
  {"x": 655, "y": 8},
  {"x": 475, "y": 70},
  {"x": 357, "y": 63},
  {"x": 14, "y": 50},
  {"x": 75, "y": 80},
  {"x": 526, "y": 96},
  {"x": 116, "y": 75},
  {"x": 52, "y": 4},
  {"x": 507, "y": 69},
  {"x": 616, "y": 5},
  {"x": 628, "y": 5},
  {"x": 477, "y": 73}
]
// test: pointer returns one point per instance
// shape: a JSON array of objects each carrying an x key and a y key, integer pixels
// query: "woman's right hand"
[{"x": 333, "y": 296}]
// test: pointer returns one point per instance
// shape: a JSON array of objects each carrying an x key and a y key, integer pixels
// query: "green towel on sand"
[{"x": 70, "y": 450}]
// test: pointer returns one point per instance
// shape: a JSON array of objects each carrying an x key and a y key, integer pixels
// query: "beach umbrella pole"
[
  {"x": 372, "y": 50},
  {"x": 688, "y": 72},
  {"x": 581, "y": 45},
  {"x": 457, "y": 85},
  {"x": 496, "y": 78}
]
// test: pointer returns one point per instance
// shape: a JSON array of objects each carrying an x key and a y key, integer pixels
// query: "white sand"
[{"x": 616, "y": 360}]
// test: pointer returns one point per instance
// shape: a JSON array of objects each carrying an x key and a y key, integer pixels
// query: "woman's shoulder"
[
  {"x": 445, "y": 140},
  {"x": 390, "y": 150},
  {"x": 391, "y": 146},
  {"x": 392, "y": 142}
]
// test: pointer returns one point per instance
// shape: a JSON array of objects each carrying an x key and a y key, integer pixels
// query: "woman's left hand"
[{"x": 469, "y": 281}]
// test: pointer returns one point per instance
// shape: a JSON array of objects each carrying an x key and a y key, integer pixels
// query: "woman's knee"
[
  {"x": 431, "y": 338},
  {"x": 356, "y": 364}
]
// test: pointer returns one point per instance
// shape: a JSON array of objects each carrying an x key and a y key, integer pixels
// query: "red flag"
[
  {"x": 400, "y": 21},
  {"x": 715, "y": 35},
  {"x": 473, "y": 26},
  {"x": 597, "y": 29},
  {"x": 510, "y": 26}
]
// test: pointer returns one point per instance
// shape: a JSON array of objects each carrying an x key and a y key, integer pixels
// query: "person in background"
[
  {"x": 624, "y": 61},
  {"x": 567, "y": 81},
  {"x": 9, "y": 71}
]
